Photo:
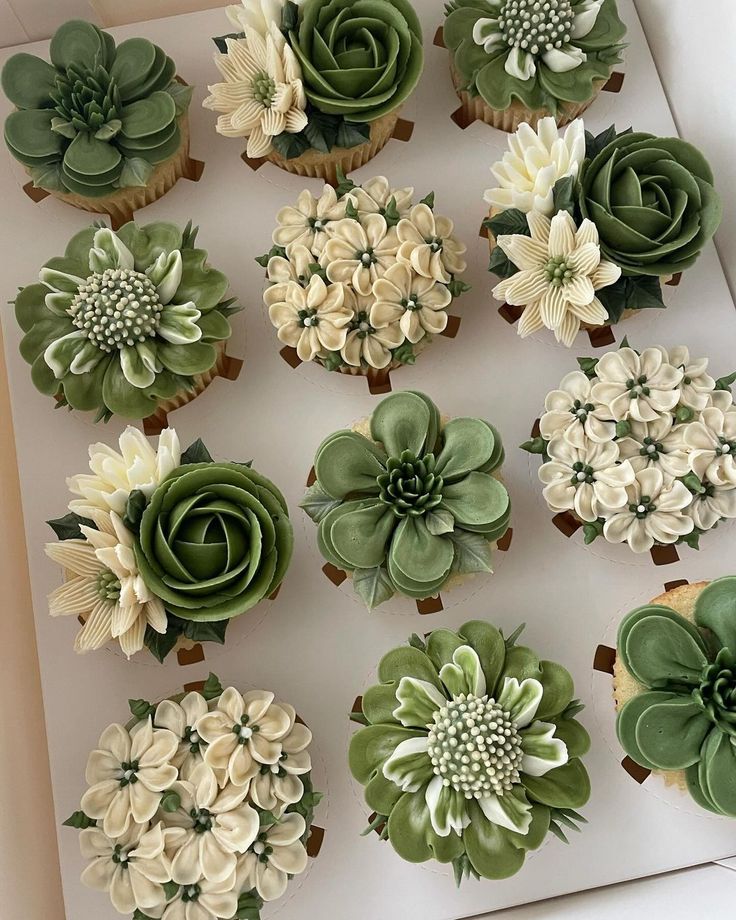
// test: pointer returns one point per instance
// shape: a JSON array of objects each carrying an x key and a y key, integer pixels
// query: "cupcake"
[
  {"x": 470, "y": 751},
  {"x": 185, "y": 820},
  {"x": 316, "y": 86},
  {"x": 584, "y": 230},
  {"x": 637, "y": 447},
  {"x": 675, "y": 690},
  {"x": 157, "y": 353},
  {"x": 408, "y": 502},
  {"x": 102, "y": 127},
  {"x": 521, "y": 60},
  {"x": 361, "y": 279},
  {"x": 161, "y": 549}
]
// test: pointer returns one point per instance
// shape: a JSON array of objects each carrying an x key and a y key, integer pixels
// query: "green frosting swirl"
[
  {"x": 652, "y": 201},
  {"x": 99, "y": 117},
  {"x": 414, "y": 505},
  {"x": 470, "y": 752},
  {"x": 360, "y": 58},
  {"x": 510, "y": 66},
  {"x": 123, "y": 320},
  {"x": 685, "y": 719},
  {"x": 214, "y": 540}
]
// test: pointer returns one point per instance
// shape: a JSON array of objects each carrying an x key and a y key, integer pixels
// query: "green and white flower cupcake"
[
  {"x": 470, "y": 751},
  {"x": 128, "y": 323}
]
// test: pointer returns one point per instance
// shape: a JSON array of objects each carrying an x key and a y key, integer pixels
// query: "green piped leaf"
[
  {"x": 80, "y": 821},
  {"x": 318, "y": 503},
  {"x": 212, "y": 687},
  {"x": 472, "y": 553},
  {"x": 373, "y": 586},
  {"x": 67, "y": 527}
]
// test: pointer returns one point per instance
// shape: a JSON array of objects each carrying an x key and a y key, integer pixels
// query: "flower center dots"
[
  {"x": 637, "y": 387},
  {"x": 558, "y": 272},
  {"x": 116, "y": 308},
  {"x": 643, "y": 507},
  {"x": 264, "y": 89},
  {"x": 108, "y": 586},
  {"x": 243, "y": 731},
  {"x": 536, "y": 26}
]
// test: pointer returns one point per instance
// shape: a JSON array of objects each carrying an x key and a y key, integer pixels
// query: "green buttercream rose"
[
  {"x": 123, "y": 320},
  {"x": 412, "y": 505},
  {"x": 685, "y": 718},
  {"x": 652, "y": 201},
  {"x": 359, "y": 58},
  {"x": 540, "y": 54},
  {"x": 470, "y": 753},
  {"x": 214, "y": 540},
  {"x": 99, "y": 117}
]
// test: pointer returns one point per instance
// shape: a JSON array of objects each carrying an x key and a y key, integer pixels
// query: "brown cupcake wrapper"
[{"x": 316, "y": 165}]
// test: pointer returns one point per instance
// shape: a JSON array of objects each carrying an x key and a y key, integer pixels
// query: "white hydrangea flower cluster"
[
  {"x": 188, "y": 813},
  {"x": 357, "y": 275},
  {"x": 642, "y": 447}
]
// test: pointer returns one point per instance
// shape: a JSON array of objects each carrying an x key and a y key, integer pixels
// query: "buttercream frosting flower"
[
  {"x": 712, "y": 440},
  {"x": 262, "y": 95},
  {"x": 243, "y": 732},
  {"x": 536, "y": 160},
  {"x": 257, "y": 15},
  {"x": 114, "y": 475},
  {"x": 469, "y": 747},
  {"x": 560, "y": 269},
  {"x": 370, "y": 338},
  {"x": 658, "y": 443},
  {"x": 359, "y": 252},
  {"x": 376, "y": 196},
  {"x": 410, "y": 503},
  {"x": 697, "y": 385},
  {"x": 127, "y": 774},
  {"x": 312, "y": 319},
  {"x": 570, "y": 411},
  {"x": 653, "y": 513},
  {"x": 586, "y": 480},
  {"x": 678, "y": 653},
  {"x": 125, "y": 321},
  {"x": 712, "y": 505},
  {"x": 310, "y": 222},
  {"x": 203, "y": 900},
  {"x": 277, "y": 785},
  {"x": 181, "y": 718},
  {"x": 276, "y": 854},
  {"x": 132, "y": 868},
  {"x": 416, "y": 303},
  {"x": 642, "y": 387},
  {"x": 428, "y": 245},
  {"x": 281, "y": 270}
]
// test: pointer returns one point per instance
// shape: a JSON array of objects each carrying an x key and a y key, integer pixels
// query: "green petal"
[
  {"x": 56, "y": 276},
  {"x": 137, "y": 366},
  {"x": 43, "y": 377},
  {"x": 60, "y": 354},
  {"x": 407, "y": 661},
  {"x": 447, "y": 806},
  {"x": 488, "y": 643},
  {"x": 411, "y": 835},
  {"x": 520, "y": 700},
  {"x": 148, "y": 116},
  {"x": 409, "y": 767},
  {"x": 178, "y": 324},
  {"x": 401, "y": 422},
  {"x": 77, "y": 43},
  {"x": 27, "y": 81},
  {"x": 58, "y": 302},
  {"x": 564, "y": 787},
  {"x": 659, "y": 651},
  {"x": 715, "y": 609},
  {"x": 203, "y": 285},
  {"x": 30, "y": 306},
  {"x": 88, "y": 156},
  {"x": 490, "y": 848},
  {"x": 512, "y": 811},
  {"x": 696, "y": 789},
  {"x": 543, "y": 750},
  {"x": 84, "y": 391},
  {"x": 42, "y": 334},
  {"x": 148, "y": 242},
  {"x": 381, "y": 794},
  {"x": 670, "y": 733},
  {"x": 346, "y": 463},
  {"x": 165, "y": 273},
  {"x": 628, "y": 719},
  {"x": 417, "y": 555},
  {"x": 558, "y": 687},
  {"x": 121, "y": 397},
  {"x": 134, "y": 60},
  {"x": 379, "y": 703},
  {"x": 464, "y": 673},
  {"x": 109, "y": 251},
  {"x": 575, "y": 736},
  {"x": 719, "y": 769},
  {"x": 441, "y": 643},
  {"x": 521, "y": 662},
  {"x": 187, "y": 360},
  {"x": 86, "y": 359},
  {"x": 478, "y": 500},
  {"x": 371, "y": 747},
  {"x": 536, "y": 832},
  {"x": 360, "y": 536},
  {"x": 28, "y": 134},
  {"x": 468, "y": 444},
  {"x": 418, "y": 701},
  {"x": 215, "y": 327}
]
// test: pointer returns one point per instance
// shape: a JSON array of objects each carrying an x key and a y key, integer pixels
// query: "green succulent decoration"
[
  {"x": 99, "y": 117},
  {"x": 541, "y": 54},
  {"x": 469, "y": 751},
  {"x": 652, "y": 200},
  {"x": 685, "y": 716},
  {"x": 123, "y": 319},
  {"x": 214, "y": 540},
  {"x": 414, "y": 504}
]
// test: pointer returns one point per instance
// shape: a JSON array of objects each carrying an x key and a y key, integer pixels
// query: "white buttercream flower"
[
  {"x": 368, "y": 341},
  {"x": 104, "y": 587},
  {"x": 713, "y": 504},
  {"x": 696, "y": 386},
  {"x": 419, "y": 305},
  {"x": 244, "y": 732},
  {"x": 712, "y": 440},
  {"x": 277, "y": 785},
  {"x": 659, "y": 443},
  {"x": 263, "y": 94},
  {"x": 314, "y": 320},
  {"x": 132, "y": 869},
  {"x": 536, "y": 159},
  {"x": 654, "y": 513},
  {"x": 589, "y": 480},
  {"x": 209, "y": 829},
  {"x": 310, "y": 222},
  {"x": 276, "y": 854},
  {"x": 640, "y": 387},
  {"x": 374, "y": 197},
  {"x": 127, "y": 774},
  {"x": 359, "y": 252},
  {"x": 428, "y": 244},
  {"x": 115, "y": 475},
  {"x": 560, "y": 269},
  {"x": 256, "y": 15},
  {"x": 204, "y": 901},
  {"x": 283, "y": 271},
  {"x": 181, "y": 719},
  {"x": 571, "y": 411}
]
